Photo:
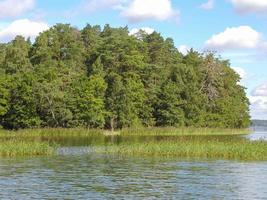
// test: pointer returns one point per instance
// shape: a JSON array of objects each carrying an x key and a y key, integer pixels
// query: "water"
[
  {"x": 84, "y": 176},
  {"x": 79, "y": 173},
  {"x": 259, "y": 133}
]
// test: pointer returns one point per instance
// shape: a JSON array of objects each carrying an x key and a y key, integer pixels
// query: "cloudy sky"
[{"x": 235, "y": 29}]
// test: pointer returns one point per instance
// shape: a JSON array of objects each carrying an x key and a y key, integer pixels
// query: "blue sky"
[{"x": 235, "y": 29}]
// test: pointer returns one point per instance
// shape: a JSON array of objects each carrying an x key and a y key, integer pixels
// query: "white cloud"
[
  {"x": 133, "y": 10},
  {"x": 242, "y": 73},
  {"x": 258, "y": 100},
  {"x": 258, "y": 107},
  {"x": 250, "y": 6},
  {"x": 147, "y": 30},
  {"x": 140, "y": 10},
  {"x": 242, "y": 37},
  {"x": 22, "y": 27},
  {"x": 261, "y": 90},
  {"x": 209, "y": 5},
  {"x": 93, "y": 5},
  {"x": 13, "y": 8},
  {"x": 183, "y": 49}
]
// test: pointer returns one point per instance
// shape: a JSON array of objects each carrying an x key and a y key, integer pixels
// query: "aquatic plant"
[
  {"x": 172, "y": 131},
  {"x": 237, "y": 149},
  {"x": 76, "y": 132},
  {"x": 11, "y": 148},
  {"x": 178, "y": 142}
]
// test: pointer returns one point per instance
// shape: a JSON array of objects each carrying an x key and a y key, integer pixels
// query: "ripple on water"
[{"x": 78, "y": 174}]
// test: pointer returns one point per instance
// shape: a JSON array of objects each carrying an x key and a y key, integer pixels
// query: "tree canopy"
[{"x": 107, "y": 78}]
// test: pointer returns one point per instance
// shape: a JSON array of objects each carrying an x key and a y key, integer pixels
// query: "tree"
[
  {"x": 113, "y": 98},
  {"x": 18, "y": 97},
  {"x": 22, "y": 110},
  {"x": 4, "y": 95},
  {"x": 2, "y": 55},
  {"x": 58, "y": 58},
  {"x": 121, "y": 53},
  {"x": 4, "y": 85},
  {"x": 132, "y": 101},
  {"x": 232, "y": 105},
  {"x": 93, "y": 42},
  {"x": 17, "y": 56},
  {"x": 86, "y": 102},
  {"x": 169, "y": 110}
]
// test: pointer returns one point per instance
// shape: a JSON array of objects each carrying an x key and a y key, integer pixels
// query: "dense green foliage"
[{"x": 109, "y": 79}]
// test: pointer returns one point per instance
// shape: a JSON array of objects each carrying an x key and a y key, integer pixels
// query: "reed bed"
[
  {"x": 183, "y": 131},
  {"x": 239, "y": 150},
  {"x": 178, "y": 142},
  {"x": 12, "y": 148},
  {"x": 50, "y": 132},
  {"x": 153, "y": 131}
]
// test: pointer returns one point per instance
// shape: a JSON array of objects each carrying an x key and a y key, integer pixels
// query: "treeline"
[
  {"x": 259, "y": 123},
  {"x": 105, "y": 78}
]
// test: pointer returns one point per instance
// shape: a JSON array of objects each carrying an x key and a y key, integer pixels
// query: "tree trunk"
[{"x": 112, "y": 124}]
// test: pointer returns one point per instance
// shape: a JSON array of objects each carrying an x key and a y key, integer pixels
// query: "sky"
[{"x": 234, "y": 29}]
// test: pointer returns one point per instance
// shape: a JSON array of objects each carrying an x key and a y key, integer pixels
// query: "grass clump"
[
  {"x": 183, "y": 131},
  {"x": 51, "y": 133},
  {"x": 12, "y": 148},
  {"x": 239, "y": 150},
  {"x": 178, "y": 142},
  {"x": 152, "y": 131}
]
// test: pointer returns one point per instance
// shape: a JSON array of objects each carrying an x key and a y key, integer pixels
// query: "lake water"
[
  {"x": 260, "y": 133},
  {"x": 78, "y": 173}
]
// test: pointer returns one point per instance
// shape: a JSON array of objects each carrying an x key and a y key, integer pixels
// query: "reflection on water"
[
  {"x": 70, "y": 141},
  {"x": 80, "y": 175},
  {"x": 101, "y": 140}
]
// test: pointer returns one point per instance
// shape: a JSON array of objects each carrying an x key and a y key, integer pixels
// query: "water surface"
[
  {"x": 258, "y": 133},
  {"x": 76, "y": 172},
  {"x": 84, "y": 175}
]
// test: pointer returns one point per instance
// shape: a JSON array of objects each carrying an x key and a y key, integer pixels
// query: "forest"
[{"x": 106, "y": 78}]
